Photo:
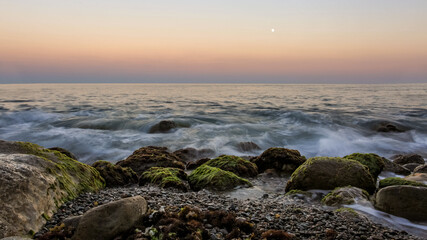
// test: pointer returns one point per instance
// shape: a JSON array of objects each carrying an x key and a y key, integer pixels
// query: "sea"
[{"x": 110, "y": 121}]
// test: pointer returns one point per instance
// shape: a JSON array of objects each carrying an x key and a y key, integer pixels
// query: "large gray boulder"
[
  {"x": 34, "y": 181},
  {"x": 110, "y": 220},
  {"x": 404, "y": 201}
]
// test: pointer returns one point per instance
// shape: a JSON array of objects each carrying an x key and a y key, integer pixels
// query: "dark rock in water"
[
  {"x": 390, "y": 166},
  {"x": 389, "y": 127},
  {"x": 281, "y": 159},
  {"x": 404, "y": 201},
  {"x": 374, "y": 162},
  {"x": 110, "y": 220},
  {"x": 417, "y": 177},
  {"x": 147, "y": 157},
  {"x": 191, "y": 154},
  {"x": 215, "y": 179},
  {"x": 345, "y": 195},
  {"x": 196, "y": 164},
  {"x": 64, "y": 151},
  {"x": 408, "y": 158},
  {"x": 115, "y": 175},
  {"x": 164, "y": 178},
  {"x": 247, "y": 147},
  {"x": 234, "y": 164},
  {"x": 411, "y": 166},
  {"x": 421, "y": 169},
  {"x": 163, "y": 127},
  {"x": 331, "y": 172},
  {"x": 34, "y": 181}
]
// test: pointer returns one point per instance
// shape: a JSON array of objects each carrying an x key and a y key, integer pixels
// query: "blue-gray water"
[{"x": 110, "y": 121}]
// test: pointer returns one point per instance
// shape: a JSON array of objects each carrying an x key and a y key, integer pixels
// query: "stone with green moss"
[
  {"x": 374, "y": 162},
  {"x": 237, "y": 165},
  {"x": 330, "y": 172},
  {"x": 114, "y": 175},
  {"x": 215, "y": 179},
  {"x": 347, "y": 211},
  {"x": 280, "y": 159},
  {"x": 391, "y": 181},
  {"x": 345, "y": 195},
  {"x": 164, "y": 177}
]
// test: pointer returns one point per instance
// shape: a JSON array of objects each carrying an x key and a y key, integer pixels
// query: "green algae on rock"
[
  {"x": 237, "y": 165},
  {"x": 215, "y": 179},
  {"x": 345, "y": 195},
  {"x": 115, "y": 175},
  {"x": 164, "y": 177},
  {"x": 374, "y": 162},
  {"x": 392, "y": 181}
]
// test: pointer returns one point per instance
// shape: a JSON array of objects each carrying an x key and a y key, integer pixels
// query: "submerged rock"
[
  {"x": 110, "y": 220},
  {"x": 215, "y": 179},
  {"x": 404, "y": 201},
  {"x": 247, "y": 147},
  {"x": 280, "y": 159},
  {"x": 392, "y": 181},
  {"x": 374, "y": 162},
  {"x": 408, "y": 158},
  {"x": 234, "y": 164},
  {"x": 345, "y": 195},
  {"x": 331, "y": 172},
  {"x": 164, "y": 177},
  {"x": 147, "y": 157},
  {"x": 390, "y": 166},
  {"x": 163, "y": 127},
  {"x": 34, "y": 181},
  {"x": 389, "y": 127},
  {"x": 115, "y": 175},
  {"x": 191, "y": 154}
]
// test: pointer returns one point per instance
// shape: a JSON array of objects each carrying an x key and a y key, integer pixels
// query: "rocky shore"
[{"x": 156, "y": 194}]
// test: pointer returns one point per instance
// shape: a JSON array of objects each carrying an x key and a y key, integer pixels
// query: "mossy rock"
[
  {"x": 330, "y": 172},
  {"x": 64, "y": 151},
  {"x": 345, "y": 195},
  {"x": 392, "y": 181},
  {"x": 280, "y": 159},
  {"x": 164, "y": 177},
  {"x": 237, "y": 165},
  {"x": 408, "y": 158},
  {"x": 147, "y": 157},
  {"x": 114, "y": 175},
  {"x": 347, "y": 212},
  {"x": 215, "y": 179},
  {"x": 374, "y": 162}
]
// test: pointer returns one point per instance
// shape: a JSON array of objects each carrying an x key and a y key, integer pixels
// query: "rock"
[
  {"x": 191, "y": 154},
  {"x": 64, "y": 151},
  {"x": 388, "y": 127},
  {"x": 421, "y": 169},
  {"x": 147, "y": 157},
  {"x": 404, "y": 201},
  {"x": 390, "y": 166},
  {"x": 417, "y": 177},
  {"x": 408, "y": 158},
  {"x": 345, "y": 195},
  {"x": 234, "y": 164},
  {"x": 281, "y": 159},
  {"x": 196, "y": 164},
  {"x": 374, "y": 162},
  {"x": 247, "y": 147},
  {"x": 276, "y": 235},
  {"x": 34, "y": 181},
  {"x": 109, "y": 220},
  {"x": 331, "y": 172},
  {"x": 392, "y": 181},
  {"x": 164, "y": 177},
  {"x": 163, "y": 127},
  {"x": 16, "y": 238},
  {"x": 411, "y": 166},
  {"x": 215, "y": 179},
  {"x": 71, "y": 223},
  {"x": 115, "y": 175}
]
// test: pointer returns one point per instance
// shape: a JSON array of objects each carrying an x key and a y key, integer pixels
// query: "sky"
[{"x": 314, "y": 41}]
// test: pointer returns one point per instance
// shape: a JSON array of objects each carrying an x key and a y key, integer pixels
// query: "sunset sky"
[{"x": 316, "y": 41}]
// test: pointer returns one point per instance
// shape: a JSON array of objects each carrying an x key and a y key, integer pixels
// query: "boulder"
[
  {"x": 196, "y": 164},
  {"x": 388, "y": 127},
  {"x": 421, "y": 169},
  {"x": 390, "y": 166},
  {"x": 374, "y": 162},
  {"x": 34, "y": 182},
  {"x": 330, "y": 172},
  {"x": 411, "y": 166},
  {"x": 417, "y": 177},
  {"x": 247, "y": 147},
  {"x": 114, "y": 175},
  {"x": 345, "y": 195},
  {"x": 164, "y": 177},
  {"x": 408, "y": 158},
  {"x": 147, "y": 157},
  {"x": 192, "y": 154},
  {"x": 64, "y": 151},
  {"x": 112, "y": 219},
  {"x": 215, "y": 179},
  {"x": 163, "y": 127},
  {"x": 403, "y": 201},
  {"x": 234, "y": 164},
  {"x": 392, "y": 181},
  {"x": 280, "y": 159}
]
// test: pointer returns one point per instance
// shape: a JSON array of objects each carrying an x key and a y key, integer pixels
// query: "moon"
[{"x": 272, "y": 30}]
